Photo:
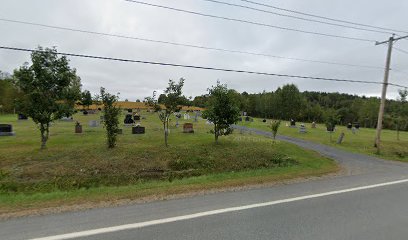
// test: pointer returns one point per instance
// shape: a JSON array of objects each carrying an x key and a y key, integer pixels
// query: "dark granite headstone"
[
  {"x": 357, "y": 125},
  {"x": 128, "y": 119},
  {"x": 22, "y": 117},
  {"x": 6, "y": 130},
  {"x": 349, "y": 126},
  {"x": 138, "y": 130},
  {"x": 136, "y": 118}
]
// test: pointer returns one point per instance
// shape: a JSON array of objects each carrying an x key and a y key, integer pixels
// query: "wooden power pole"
[{"x": 390, "y": 42}]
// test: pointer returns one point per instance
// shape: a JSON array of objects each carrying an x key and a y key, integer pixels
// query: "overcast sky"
[{"x": 136, "y": 81}]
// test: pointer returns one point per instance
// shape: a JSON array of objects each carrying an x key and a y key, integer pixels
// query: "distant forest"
[
  {"x": 285, "y": 103},
  {"x": 288, "y": 102}
]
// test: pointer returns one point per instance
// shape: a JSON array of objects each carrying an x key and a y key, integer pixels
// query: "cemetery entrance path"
[{"x": 366, "y": 201}]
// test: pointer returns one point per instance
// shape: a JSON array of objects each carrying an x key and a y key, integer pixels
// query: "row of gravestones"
[{"x": 7, "y": 129}]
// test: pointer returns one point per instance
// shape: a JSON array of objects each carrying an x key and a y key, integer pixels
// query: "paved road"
[{"x": 341, "y": 210}]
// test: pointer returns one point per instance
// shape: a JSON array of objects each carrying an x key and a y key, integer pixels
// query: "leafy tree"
[
  {"x": 172, "y": 98},
  {"x": 331, "y": 119},
  {"x": 289, "y": 101},
  {"x": 86, "y": 99},
  {"x": 111, "y": 115},
  {"x": 50, "y": 89},
  {"x": 274, "y": 125},
  {"x": 222, "y": 110},
  {"x": 9, "y": 93}
]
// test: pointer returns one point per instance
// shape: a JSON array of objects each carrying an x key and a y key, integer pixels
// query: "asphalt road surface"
[{"x": 368, "y": 201}]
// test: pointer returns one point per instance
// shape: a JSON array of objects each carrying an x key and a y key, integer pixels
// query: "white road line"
[{"x": 208, "y": 213}]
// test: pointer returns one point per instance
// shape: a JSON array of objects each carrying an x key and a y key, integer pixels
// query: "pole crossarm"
[{"x": 393, "y": 39}]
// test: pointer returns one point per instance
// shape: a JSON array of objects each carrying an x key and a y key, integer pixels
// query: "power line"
[
  {"x": 322, "y": 17},
  {"x": 201, "y": 67},
  {"x": 184, "y": 44},
  {"x": 295, "y": 17},
  {"x": 250, "y": 22},
  {"x": 401, "y": 50}
]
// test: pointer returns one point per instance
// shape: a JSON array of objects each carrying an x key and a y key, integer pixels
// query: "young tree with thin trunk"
[
  {"x": 172, "y": 99},
  {"x": 49, "y": 87},
  {"x": 222, "y": 109},
  {"x": 111, "y": 115}
]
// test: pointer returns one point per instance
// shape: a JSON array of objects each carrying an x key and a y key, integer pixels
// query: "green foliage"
[
  {"x": 331, "y": 119},
  {"x": 111, "y": 115},
  {"x": 274, "y": 125},
  {"x": 86, "y": 99},
  {"x": 222, "y": 109},
  {"x": 172, "y": 99},
  {"x": 50, "y": 89}
]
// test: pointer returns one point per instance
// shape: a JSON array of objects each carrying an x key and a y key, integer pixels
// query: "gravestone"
[
  {"x": 247, "y": 119},
  {"x": 85, "y": 112},
  {"x": 330, "y": 128},
  {"x": 22, "y": 117},
  {"x": 67, "y": 119},
  {"x": 292, "y": 123},
  {"x": 313, "y": 125},
  {"x": 186, "y": 116},
  {"x": 93, "y": 123},
  {"x": 196, "y": 117},
  {"x": 78, "y": 128},
  {"x": 178, "y": 116},
  {"x": 357, "y": 125},
  {"x": 240, "y": 119},
  {"x": 129, "y": 110},
  {"x": 138, "y": 130},
  {"x": 128, "y": 119},
  {"x": 302, "y": 128},
  {"x": 188, "y": 128},
  {"x": 6, "y": 130},
  {"x": 353, "y": 130},
  {"x": 136, "y": 118},
  {"x": 264, "y": 120},
  {"x": 349, "y": 126},
  {"x": 244, "y": 113}
]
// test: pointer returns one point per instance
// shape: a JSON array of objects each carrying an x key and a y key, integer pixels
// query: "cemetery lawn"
[
  {"x": 79, "y": 169},
  {"x": 362, "y": 142}
]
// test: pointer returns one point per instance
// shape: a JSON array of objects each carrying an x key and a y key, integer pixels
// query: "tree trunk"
[
  {"x": 165, "y": 132},
  {"x": 216, "y": 133},
  {"x": 44, "y": 134}
]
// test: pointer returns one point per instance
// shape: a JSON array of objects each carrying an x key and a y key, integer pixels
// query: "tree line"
[{"x": 287, "y": 103}]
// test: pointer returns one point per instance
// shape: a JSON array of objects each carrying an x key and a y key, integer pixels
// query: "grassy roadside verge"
[
  {"x": 311, "y": 164},
  {"x": 362, "y": 142}
]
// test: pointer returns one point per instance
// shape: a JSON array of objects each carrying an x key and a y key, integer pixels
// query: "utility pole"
[{"x": 390, "y": 42}]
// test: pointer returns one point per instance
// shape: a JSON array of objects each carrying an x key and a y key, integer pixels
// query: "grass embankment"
[
  {"x": 361, "y": 142},
  {"x": 78, "y": 168}
]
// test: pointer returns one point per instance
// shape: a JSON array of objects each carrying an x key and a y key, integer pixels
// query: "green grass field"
[
  {"x": 79, "y": 168},
  {"x": 361, "y": 142}
]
